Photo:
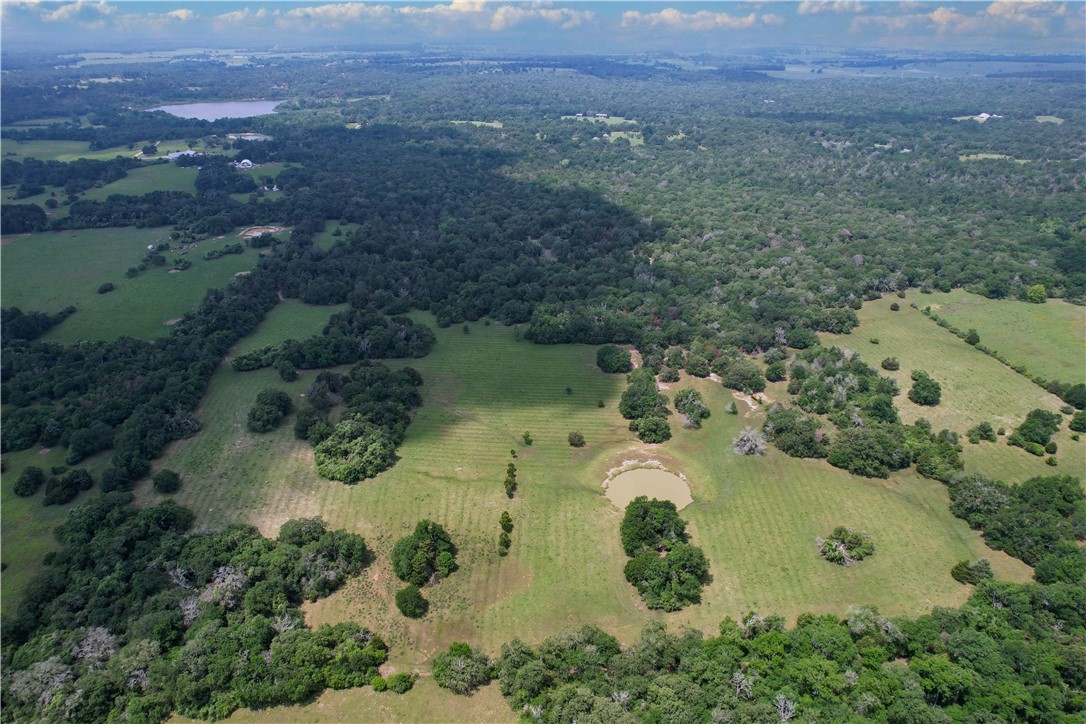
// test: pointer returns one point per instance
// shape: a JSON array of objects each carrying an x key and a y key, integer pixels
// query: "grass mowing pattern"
[
  {"x": 160, "y": 177},
  {"x": 1047, "y": 339},
  {"x": 756, "y": 518},
  {"x": 289, "y": 319},
  {"x": 975, "y": 386},
  {"x": 79, "y": 261}
]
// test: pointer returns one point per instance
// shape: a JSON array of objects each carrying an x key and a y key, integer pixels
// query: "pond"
[
  {"x": 651, "y": 482},
  {"x": 215, "y": 111}
]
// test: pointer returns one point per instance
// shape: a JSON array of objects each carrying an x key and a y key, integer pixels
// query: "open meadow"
[
  {"x": 1047, "y": 339},
  {"x": 81, "y": 260},
  {"x": 756, "y": 518},
  {"x": 975, "y": 387}
]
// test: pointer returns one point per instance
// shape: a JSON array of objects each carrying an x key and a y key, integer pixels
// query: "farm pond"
[
  {"x": 650, "y": 482},
  {"x": 215, "y": 111}
]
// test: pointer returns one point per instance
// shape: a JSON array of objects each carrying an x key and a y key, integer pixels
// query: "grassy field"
[
  {"x": 84, "y": 259},
  {"x": 756, "y": 518},
  {"x": 160, "y": 177},
  {"x": 72, "y": 150},
  {"x": 975, "y": 386},
  {"x": 1048, "y": 339}
]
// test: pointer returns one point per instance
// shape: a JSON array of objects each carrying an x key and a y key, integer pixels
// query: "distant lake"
[{"x": 215, "y": 111}]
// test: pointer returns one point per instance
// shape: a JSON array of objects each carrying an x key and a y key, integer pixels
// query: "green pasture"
[
  {"x": 139, "y": 181},
  {"x": 756, "y": 518},
  {"x": 290, "y": 319},
  {"x": 1047, "y": 339},
  {"x": 47, "y": 271},
  {"x": 975, "y": 387},
  {"x": 72, "y": 150}
]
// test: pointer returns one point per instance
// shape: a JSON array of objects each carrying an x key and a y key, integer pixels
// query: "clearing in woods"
[
  {"x": 1047, "y": 339},
  {"x": 976, "y": 387},
  {"x": 81, "y": 260},
  {"x": 756, "y": 518}
]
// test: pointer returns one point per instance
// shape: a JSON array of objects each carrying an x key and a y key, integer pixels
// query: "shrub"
[
  {"x": 527, "y": 437},
  {"x": 925, "y": 390},
  {"x": 1078, "y": 422},
  {"x": 401, "y": 683},
  {"x": 166, "y": 482},
  {"x": 576, "y": 439},
  {"x": 106, "y": 288},
  {"x": 63, "y": 488},
  {"x": 461, "y": 669},
  {"x": 504, "y": 541},
  {"x": 972, "y": 572},
  {"x": 749, "y": 442},
  {"x": 845, "y": 547},
  {"x": 776, "y": 372},
  {"x": 506, "y": 522},
  {"x": 612, "y": 359},
  {"x": 971, "y": 337},
  {"x": 410, "y": 601},
  {"x": 29, "y": 481},
  {"x": 1034, "y": 448},
  {"x": 1051, "y": 461},
  {"x": 268, "y": 411},
  {"x": 982, "y": 431},
  {"x": 1037, "y": 428},
  {"x": 891, "y": 364},
  {"x": 874, "y": 340},
  {"x": 379, "y": 684},
  {"x": 894, "y": 307},
  {"x": 1051, "y": 448},
  {"x": 356, "y": 449},
  {"x": 652, "y": 430}
]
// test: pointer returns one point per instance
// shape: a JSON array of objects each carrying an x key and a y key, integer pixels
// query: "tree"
[
  {"x": 166, "y": 482},
  {"x": 845, "y": 547},
  {"x": 743, "y": 375},
  {"x": 355, "y": 450},
  {"x": 749, "y": 442},
  {"x": 1036, "y": 294},
  {"x": 29, "y": 481},
  {"x": 972, "y": 572},
  {"x": 268, "y": 411},
  {"x": 971, "y": 337},
  {"x": 1078, "y": 422},
  {"x": 410, "y": 601},
  {"x": 576, "y": 439},
  {"x": 651, "y": 525},
  {"x": 690, "y": 405},
  {"x": 776, "y": 372},
  {"x": 652, "y": 430},
  {"x": 890, "y": 364},
  {"x": 697, "y": 365},
  {"x": 925, "y": 390},
  {"x": 461, "y": 669},
  {"x": 672, "y": 581},
  {"x": 424, "y": 555},
  {"x": 612, "y": 359},
  {"x": 641, "y": 398},
  {"x": 506, "y": 522}
]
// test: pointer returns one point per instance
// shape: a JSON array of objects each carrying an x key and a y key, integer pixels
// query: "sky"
[{"x": 1002, "y": 26}]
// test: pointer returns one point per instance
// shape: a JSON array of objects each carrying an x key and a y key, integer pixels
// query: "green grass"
[
  {"x": 976, "y": 387},
  {"x": 160, "y": 177},
  {"x": 634, "y": 137},
  {"x": 756, "y": 518},
  {"x": 1049, "y": 119},
  {"x": 27, "y": 531},
  {"x": 290, "y": 319},
  {"x": 1048, "y": 339},
  {"x": 609, "y": 121},
  {"x": 80, "y": 261},
  {"x": 72, "y": 150},
  {"x": 327, "y": 238}
]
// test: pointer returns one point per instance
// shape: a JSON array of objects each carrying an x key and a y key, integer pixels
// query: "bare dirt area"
[{"x": 254, "y": 231}]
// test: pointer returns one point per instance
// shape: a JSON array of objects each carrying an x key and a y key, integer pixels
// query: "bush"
[
  {"x": 776, "y": 372},
  {"x": 1037, "y": 428},
  {"x": 29, "y": 481},
  {"x": 925, "y": 390},
  {"x": 874, "y": 340},
  {"x": 612, "y": 359},
  {"x": 1051, "y": 461},
  {"x": 697, "y": 365},
  {"x": 166, "y": 482},
  {"x": 845, "y": 547},
  {"x": 652, "y": 430},
  {"x": 1078, "y": 422},
  {"x": 271, "y": 407},
  {"x": 973, "y": 572},
  {"x": 427, "y": 553},
  {"x": 983, "y": 431},
  {"x": 106, "y": 288},
  {"x": 401, "y": 683},
  {"x": 749, "y": 442},
  {"x": 527, "y": 437},
  {"x": 62, "y": 489},
  {"x": 410, "y": 601},
  {"x": 576, "y": 439},
  {"x": 1051, "y": 448},
  {"x": 971, "y": 337},
  {"x": 379, "y": 684},
  {"x": 506, "y": 522},
  {"x": 461, "y": 669},
  {"x": 355, "y": 450},
  {"x": 891, "y": 364},
  {"x": 894, "y": 307}
]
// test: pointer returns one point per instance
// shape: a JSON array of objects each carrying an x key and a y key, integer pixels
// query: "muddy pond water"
[{"x": 650, "y": 482}]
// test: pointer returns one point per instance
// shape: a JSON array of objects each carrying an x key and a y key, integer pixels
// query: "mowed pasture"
[
  {"x": 73, "y": 150},
  {"x": 975, "y": 387},
  {"x": 158, "y": 177},
  {"x": 756, "y": 518},
  {"x": 1047, "y": 339},
  {"x": 47, "y": 271}
]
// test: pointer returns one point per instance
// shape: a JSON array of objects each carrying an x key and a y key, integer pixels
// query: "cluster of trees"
[
  {"x": 693, "y": 409},
  {"x": 645, "y": 407},
  {"x": 348, "y": 337},
  {"x": 1039, "y": 521},
  {"x": 227, "y": 250},
  {"x": 510, "y": 483},
  {"x": 61, "y": 486},
  {"x": 32, "y": 175},
  {"x": 925, "y": 391},
  {"x": 667, "y": 571},
  {"x": 845, "y": 547},
  {"x": 1034, "y": 435},
  {"x": 505, "y": 540},
  {"x": 17, "y": 324},
  {"x": 423, "y": 558},
  {"x": 136, "y": 617},
  {"x": 1011, "y": 653},
  {"x": 610, "y": 358}
]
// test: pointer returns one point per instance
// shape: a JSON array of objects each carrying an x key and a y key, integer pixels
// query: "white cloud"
[
  {"x": 815, "y": 7},
  {"x": 183, "y": 14},
  {"x": 508, "y": 16},
  {"x": 80, "y": 11},
  {"x": 701, "y": 20}
]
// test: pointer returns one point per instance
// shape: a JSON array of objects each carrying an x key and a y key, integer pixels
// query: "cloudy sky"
[{"x": 507, "y": 25}]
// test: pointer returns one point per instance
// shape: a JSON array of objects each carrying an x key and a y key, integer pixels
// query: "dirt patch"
[
  {"x": 635, "y": 358},
  {"x": 44, "y": 450},
  {"x": 170, "y": 322},
  {"x": 279, "y": 293},
  {"x": 174, "y": 271},
  {"x": 253, "y": 231},
  {"x": 242, "y": 274}
]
